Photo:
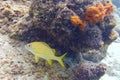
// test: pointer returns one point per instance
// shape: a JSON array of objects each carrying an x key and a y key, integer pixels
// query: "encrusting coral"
[
  {"x": 76, "y": 21},
  {"x": 93, "y": 15},
  {"x": 97, "y": 13}
]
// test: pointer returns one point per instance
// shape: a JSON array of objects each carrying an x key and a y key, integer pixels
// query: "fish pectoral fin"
[
  {"x": 49, "y": 62},
  {"x": 36, "y": 59}
]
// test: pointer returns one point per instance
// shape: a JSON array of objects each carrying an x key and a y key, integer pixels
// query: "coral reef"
[
  {"x": 58, "y": 20},
  {"x": 62, "y": 23},
  {"x": 82, "y": 28},
  {"x": 89, "y": 71}
]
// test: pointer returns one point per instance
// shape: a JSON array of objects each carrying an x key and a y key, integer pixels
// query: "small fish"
[{"x": 43, "y": 50}]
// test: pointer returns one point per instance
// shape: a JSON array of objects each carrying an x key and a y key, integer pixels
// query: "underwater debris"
[
  {"x": 43, "y": 50},
  {"x": 89, "y": 71}
]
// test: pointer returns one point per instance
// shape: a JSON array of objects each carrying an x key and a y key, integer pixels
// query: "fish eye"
[{"x": 28, "y": 45}]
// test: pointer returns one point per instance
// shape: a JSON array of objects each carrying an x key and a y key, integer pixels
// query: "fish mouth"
[{"x": 26, "y": 47}]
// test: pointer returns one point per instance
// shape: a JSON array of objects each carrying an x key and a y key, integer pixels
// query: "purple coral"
[{"x": 89, "y": 71}]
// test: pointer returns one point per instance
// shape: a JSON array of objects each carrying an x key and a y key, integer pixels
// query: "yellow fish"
[{"x": 43, "y": 50}]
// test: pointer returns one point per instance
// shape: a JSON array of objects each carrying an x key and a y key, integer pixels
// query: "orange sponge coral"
[
  {"x": 97, "y": 13},
  {"x": 108, "y": 8},
  {"x": 76, "y": 21},
  {"x": 93, "y": 15}
]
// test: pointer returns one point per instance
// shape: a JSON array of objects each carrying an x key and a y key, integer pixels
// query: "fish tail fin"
[{"x": 60, "y": 60}]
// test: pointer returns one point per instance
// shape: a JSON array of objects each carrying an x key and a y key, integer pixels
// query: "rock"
[
  {"x": 11, "y": 15},
  {"x": 89, "y": 71}
]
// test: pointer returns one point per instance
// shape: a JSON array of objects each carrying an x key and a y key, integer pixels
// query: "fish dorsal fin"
[
  {"x": 54, "y": 51},
  {"x": 45, "y": 44}
]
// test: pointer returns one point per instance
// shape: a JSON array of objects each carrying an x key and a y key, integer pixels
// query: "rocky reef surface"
[{"x": 50, "y": 21}]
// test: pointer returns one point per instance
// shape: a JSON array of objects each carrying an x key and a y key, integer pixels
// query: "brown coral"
[
  {"x": 76, "y": 21},
  {"x": 97, "y": 13}
]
